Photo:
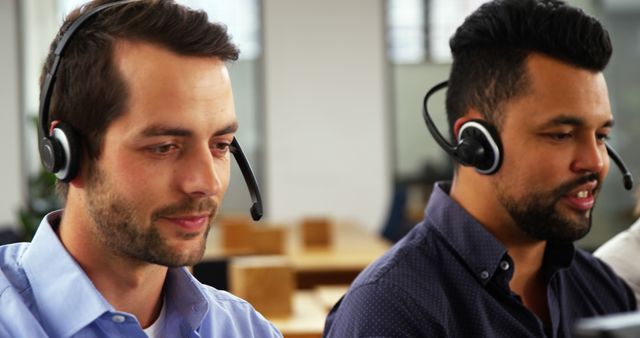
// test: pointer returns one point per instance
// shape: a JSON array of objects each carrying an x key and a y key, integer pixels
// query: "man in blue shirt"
[
  {"x": 142, "y": 111},
  {"x": 494, "y": 257}
]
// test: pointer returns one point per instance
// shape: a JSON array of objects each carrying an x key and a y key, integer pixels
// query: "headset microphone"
[
  {"x": 249, "y": 178},
  {"x": 479, "y": 143},
  {"x": 626, "y": 174},
  {"x": 60, "y": 149}
]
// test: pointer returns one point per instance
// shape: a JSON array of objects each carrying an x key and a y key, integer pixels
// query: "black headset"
[
  {"x": 60, "y": 150},
  {"x": 479, "y": 143}
]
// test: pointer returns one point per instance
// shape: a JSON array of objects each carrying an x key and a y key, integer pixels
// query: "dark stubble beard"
[
  {"x": 121, "y": 228},
  {"x": 537, "y": 216}
]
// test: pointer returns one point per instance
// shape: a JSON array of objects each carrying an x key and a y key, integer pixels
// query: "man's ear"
[
  {"x": 53, "y": 125},
  {"x": 78, "y": 181},
  {"x": 472, "y": 114}
]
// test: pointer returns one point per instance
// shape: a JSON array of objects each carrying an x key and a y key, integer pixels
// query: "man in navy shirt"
[{"x": 494, "y": 256}]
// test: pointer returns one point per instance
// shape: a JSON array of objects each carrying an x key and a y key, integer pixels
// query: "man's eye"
[
  {"x": 603, "y": 137},
  {"x": 559, "y": 136},
  {"x": 163, "y": 149},
  {"x": 221, "y": 148}
]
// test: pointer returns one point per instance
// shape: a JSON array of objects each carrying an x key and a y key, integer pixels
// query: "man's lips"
[
  {"x": 189, "y": 222},
  {"x": 582, "y": 198}
]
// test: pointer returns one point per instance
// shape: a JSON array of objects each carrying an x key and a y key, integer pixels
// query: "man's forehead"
[{"x": 561, "y": 94}]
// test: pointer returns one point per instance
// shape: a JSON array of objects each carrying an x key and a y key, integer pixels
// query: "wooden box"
[
  {"x": 236, "y": 232},
  {"x": 316, "y": 232},
  {"x": 267, "y": 282},
  {"x": 268, "y": 240}
]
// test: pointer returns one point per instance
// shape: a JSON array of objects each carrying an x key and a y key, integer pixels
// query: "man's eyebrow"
[
  {"x": 572, "y": 121},
  {"x": 229, "y": 129},
  {"x": 159, "y": 130}
]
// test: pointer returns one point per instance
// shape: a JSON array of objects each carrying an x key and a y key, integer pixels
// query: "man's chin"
[
  {"x": 575, "y": 229},
  {"x": 188, "y": 259},
  {"x": 180, "y": 253}
]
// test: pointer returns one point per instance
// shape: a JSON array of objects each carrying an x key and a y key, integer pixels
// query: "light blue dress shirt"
[{"x": 45, "y": 293}]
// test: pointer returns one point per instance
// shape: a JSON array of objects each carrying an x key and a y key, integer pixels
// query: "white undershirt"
[{"x": 156, "y": 329}]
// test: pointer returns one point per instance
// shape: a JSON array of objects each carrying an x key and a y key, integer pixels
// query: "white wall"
[
  {"x": 326, "y": 113},
  {"x": 414, "y": 145},
  {"x": 10, "y": 176}
]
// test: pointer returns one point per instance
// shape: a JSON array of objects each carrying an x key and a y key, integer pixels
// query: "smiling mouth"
[
  {"x": 581, "y": 200},
  {"x": 582, "y": 194},
  {"x": 191, "y": 223}
]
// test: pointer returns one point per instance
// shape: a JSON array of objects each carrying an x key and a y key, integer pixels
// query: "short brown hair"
[{"x": 89, "y": 91}]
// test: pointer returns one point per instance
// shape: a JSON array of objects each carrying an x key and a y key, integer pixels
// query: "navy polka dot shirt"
[{"x": 449, "y": 277}]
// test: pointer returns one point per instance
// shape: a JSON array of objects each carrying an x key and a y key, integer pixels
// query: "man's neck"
[
  {"x": 527, "y": 261},
  {"x": 128, "y": 285}
]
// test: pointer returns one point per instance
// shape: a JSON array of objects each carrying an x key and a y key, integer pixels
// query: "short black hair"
[{"x": 491, "y": 46}]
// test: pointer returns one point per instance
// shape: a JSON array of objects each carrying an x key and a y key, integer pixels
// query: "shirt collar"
[
  {"x": 66, "y": 298},
  {"x": 480, "y": 251},
  {"x": 476, "y": 246},
  {"x": 186, "y": 298}
]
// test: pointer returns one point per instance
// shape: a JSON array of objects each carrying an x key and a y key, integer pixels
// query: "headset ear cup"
[
  {"x": 69, "y": 149},
  {"x": 50, "y": 152},
  {"x": 479, "y": 146}
]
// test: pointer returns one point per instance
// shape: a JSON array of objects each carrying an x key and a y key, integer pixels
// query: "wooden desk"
[
  {"x": 307, "y": 320},
  {"x": 310, "y": 309},
  {"x": 352, "y": 249}
]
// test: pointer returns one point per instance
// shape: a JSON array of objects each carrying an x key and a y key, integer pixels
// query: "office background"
[{"x": 328, "y": 96}]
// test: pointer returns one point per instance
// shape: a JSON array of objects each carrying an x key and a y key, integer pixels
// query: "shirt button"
[
  {"x": 504, "y": 265},
  {"x": 118, "y": 318},
  {"x": 484, "y": 274}
]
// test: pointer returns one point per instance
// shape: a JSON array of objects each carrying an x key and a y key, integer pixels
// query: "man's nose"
[
  {"x": 590, "y": 156},
  {"x": 199, "y": 177}
]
